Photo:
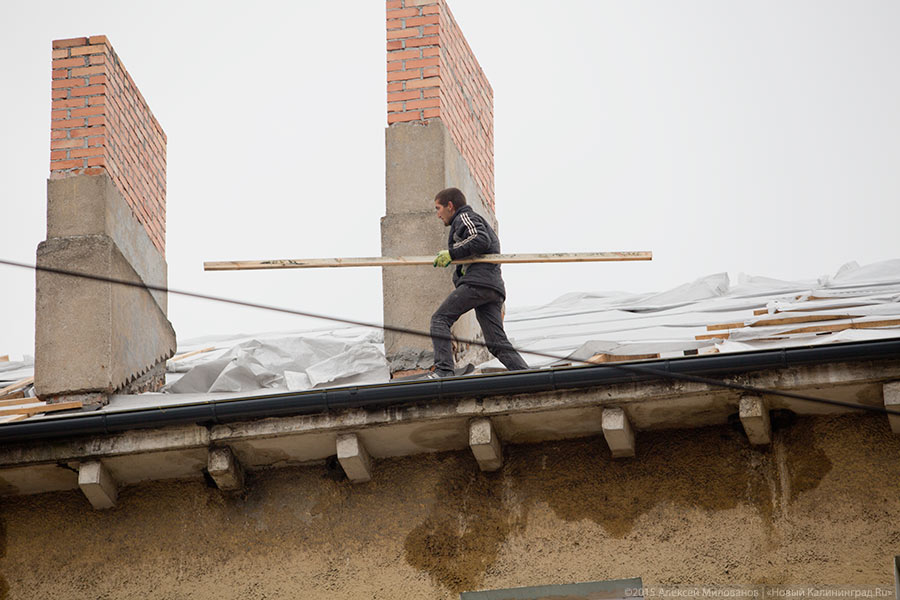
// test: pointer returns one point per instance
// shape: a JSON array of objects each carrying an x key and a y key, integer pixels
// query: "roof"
[{"x": 706, "y": 316}]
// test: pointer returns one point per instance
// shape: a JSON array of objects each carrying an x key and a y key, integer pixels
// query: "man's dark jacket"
[{"x": 470, "y": 234}]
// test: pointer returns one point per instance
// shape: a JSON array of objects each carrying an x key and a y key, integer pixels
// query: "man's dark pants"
[{"x": 488, "y": 305}]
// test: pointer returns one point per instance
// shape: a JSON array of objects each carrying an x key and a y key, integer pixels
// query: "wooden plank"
[
  {"x": 14, "y": 398},
  {"x": 738, "y": 325},
  {"x": 804, "y": 319},
  {"x": 781, "y": 321},
  {"x": 18, "y": 385},
  {"x": 712, "y": 336},
  {"x": 190, "y": 354},
  {"x": 776, "y": 321},
  {"x": 411, "y": 261},
  {"x": 602, "y": 358},
  {"x": 12, "y": 418},
  {"x": 845, "y": 326},
  {"x": 822, "y": 328},
  {"x": 39, "y": 407},
  {"x": 4, "y": 358}
]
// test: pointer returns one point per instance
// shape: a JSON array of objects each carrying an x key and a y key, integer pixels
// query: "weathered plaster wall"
[{"x": 696, "y": 506}]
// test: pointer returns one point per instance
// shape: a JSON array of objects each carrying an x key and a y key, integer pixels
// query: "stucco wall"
[{"x": 696, "y": 506}]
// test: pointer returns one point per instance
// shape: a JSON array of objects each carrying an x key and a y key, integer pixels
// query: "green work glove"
[{"x": 442, "y": 259}]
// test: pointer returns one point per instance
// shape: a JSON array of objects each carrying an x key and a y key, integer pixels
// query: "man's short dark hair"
[{"x": 453, "y": 195}]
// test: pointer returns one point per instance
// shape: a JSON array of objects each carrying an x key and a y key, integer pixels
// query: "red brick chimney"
[
  {"x": 100, "y": 122},
  {"x": 433, "y": 74},
  {"x": 106, "y": 215}
]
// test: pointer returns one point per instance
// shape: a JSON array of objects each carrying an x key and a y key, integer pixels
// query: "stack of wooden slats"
[
  {"x": 14, "y": 406},
  {"x": 811, "y": 315}
]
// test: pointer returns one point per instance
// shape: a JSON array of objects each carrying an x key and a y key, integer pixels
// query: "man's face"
[{"x": 445, "y": 213}]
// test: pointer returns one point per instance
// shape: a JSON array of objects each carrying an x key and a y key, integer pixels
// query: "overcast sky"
[{"x": 759, "y": 137}]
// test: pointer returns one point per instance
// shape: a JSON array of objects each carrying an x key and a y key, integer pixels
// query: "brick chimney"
[
  {"x": 440, "y": 134},
  {"x": 106, "y": 215}
]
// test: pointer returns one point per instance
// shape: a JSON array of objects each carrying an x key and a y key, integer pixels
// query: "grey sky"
[{"x": 757, "y": 137}]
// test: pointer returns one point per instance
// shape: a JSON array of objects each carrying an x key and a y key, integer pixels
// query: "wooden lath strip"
[
  {"x": 18, "y": 385},
  {"x": 781, "y": 321},
  {"x": 804, "y": 319},
  {"x": 844, "y": 326},
  {"x": 820, "y": 328},
  {"x": 39, "y": 407},
  {"x": 712, "y": 336},
  {"x": 12, "y": 418},
  {"x": 15, "y": 398},
  {"x": 601, "y": 358},
  {"x": 721, "y": 326}
]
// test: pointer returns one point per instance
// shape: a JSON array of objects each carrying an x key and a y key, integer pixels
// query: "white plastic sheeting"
[
  {"x": 857, "y": 303},
  {"x": 11, "y": 371},
  {"x": 288, "y": 362}
]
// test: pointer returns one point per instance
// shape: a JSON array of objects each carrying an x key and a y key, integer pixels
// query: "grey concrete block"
[
  {"x": 97, "y": 484},
  {"x": 93, "y": 336},
  {"x": 354, "y": 458},
  {"x": 92, "y": 205},
  {"x": 891, "y": 392},
  {"x": 618, "y": 432},
  {"x": 421, "y": 160},
  {"x": 485, "y": 444},
  {"x": 414, "y": 166},
  {"x": 754, "y": 416},
  {"x": 225, "y": 469}
]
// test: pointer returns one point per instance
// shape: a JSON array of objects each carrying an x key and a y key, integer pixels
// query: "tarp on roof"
[
  {"x": 712, "y": 315},
  {"x": 282, "y": 362}
]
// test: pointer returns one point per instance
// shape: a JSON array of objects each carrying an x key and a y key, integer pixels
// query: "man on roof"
[{"x": 477, "y": 285}]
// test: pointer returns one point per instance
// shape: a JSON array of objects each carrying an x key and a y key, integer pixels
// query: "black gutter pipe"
[{"x": 405, "y": 392}]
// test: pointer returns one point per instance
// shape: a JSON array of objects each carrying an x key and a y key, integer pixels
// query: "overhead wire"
[{"x": 633, "y": 368}]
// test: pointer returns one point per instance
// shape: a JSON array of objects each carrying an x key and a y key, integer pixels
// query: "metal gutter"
[{"x": 405, "y": 392}]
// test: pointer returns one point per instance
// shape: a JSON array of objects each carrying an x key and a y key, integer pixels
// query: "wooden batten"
[
  {"x": 602, "y": 358},
  {"x": 31, "y": 408},
  {"x": 18, "y": 385},
  {"x": 14, "y": 398}
]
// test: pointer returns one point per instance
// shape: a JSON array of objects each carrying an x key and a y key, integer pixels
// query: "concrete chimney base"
[
  {"x": 96, "y": 337},
  {"x": 421, "y": 161}
]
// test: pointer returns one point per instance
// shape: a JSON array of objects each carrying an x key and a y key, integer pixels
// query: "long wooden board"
[
  {"x": 780, "y": 321},
  {"x": 892, "y": 323},
  {"x": 18, "y": 385},
  {"x": 15, "y": 398},
  {"x": 412, "y": 261},
  {"x": 12, "y": 418},
  {"x": 601, "y": 358},
  {"x": 38, "y": 407}
]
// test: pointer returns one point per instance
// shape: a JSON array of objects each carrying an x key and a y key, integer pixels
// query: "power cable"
[{"x": 625, "y": 367}]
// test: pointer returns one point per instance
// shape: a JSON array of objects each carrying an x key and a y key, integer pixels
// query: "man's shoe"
[{"x": 439, "y": 374}]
